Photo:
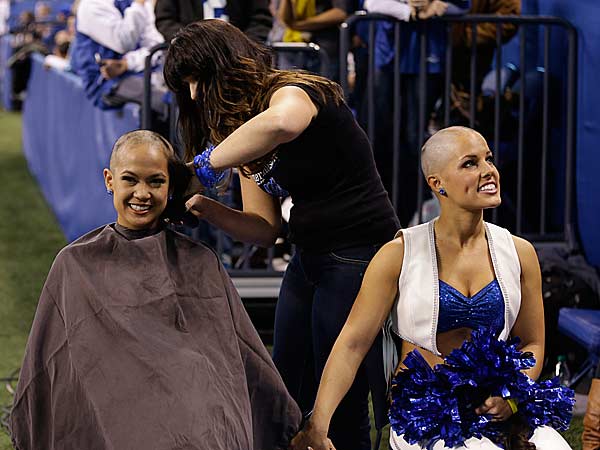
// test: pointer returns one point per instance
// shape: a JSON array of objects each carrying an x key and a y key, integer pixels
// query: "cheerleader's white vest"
[{"x": 415, "y": 313}]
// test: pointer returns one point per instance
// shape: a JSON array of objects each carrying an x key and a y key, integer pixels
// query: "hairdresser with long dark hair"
[{"x": 289, "y": 133}]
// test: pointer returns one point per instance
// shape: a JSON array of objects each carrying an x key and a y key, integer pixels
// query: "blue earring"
[
  {"x": 109, "y": 191},
  {"x": 442, "y": 191}
]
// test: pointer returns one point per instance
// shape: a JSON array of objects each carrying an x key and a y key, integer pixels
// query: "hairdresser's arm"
[
  {"x": 259, "y": 222},
  {"x": 289, "y": 113},
  {"x": 372, "y": 306}
]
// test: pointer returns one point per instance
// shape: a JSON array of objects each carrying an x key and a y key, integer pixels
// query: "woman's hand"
[
  {"x": 198, "y": 205},
  {"x": 496, "y": 407},
  {"x": 416, "y": 6},
  {"x": 112, "y": 68},
  {"x": 435, "y": 8},
  {"x": 311, "y": 439}
]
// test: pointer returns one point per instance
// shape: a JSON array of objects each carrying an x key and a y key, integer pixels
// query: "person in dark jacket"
[{"x": 251, "y": 16}]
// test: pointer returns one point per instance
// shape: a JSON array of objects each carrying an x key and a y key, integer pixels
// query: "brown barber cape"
[{"x": 143, "y": 343}]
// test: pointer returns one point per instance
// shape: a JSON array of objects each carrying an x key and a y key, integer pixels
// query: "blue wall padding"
[
  {"x": 6, "y": 52},
  {"x": 67, "y": 143},
  {"x": 585, "y": 16}
]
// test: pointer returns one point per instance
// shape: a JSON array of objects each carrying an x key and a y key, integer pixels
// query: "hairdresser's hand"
[
  {"x": 495, "y": 407},
  {"x": 311, "y": 439},
  {"x": 112, "y": 68},
  {"x": 198, "y": 205},
  {"x": 435, "y": 8},
  {"x": 194, "y": 187}
]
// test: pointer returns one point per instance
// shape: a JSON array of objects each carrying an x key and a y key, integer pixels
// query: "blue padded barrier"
[
  {"x": 583, "y": 326},
  {"x": 586, "y": 18},
  {"x": 584, "y": 15},
  {"x": 67, "y": 143},
  {"x": 6, "y": 52}
]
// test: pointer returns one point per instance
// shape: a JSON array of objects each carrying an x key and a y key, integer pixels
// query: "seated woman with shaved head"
[
  {"x": 140, "y": 340},
  {"x": 440, "y": 281}
]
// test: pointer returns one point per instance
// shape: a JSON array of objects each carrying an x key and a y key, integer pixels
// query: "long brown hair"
[{"x": 235, "y": 83}]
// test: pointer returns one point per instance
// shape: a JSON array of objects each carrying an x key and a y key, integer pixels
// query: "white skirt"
[{"x": 544, "y": 438}]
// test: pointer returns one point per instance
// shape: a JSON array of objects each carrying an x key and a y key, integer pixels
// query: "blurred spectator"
[
  {"x": 527, "y": 81},
  {"x": 25, "y": 24},
  {"x": 61, "y": 53},
  {"x": 71, "y": 29},
  {"x": 315, "y": 21},
  {"x": 27, "y": 40},
  {"x": 62, "y": 41},
  {"x": 43, "y": 23},
  {"x": 4, "y": 15},
  {"x": 42, "y": 12},
  {"x": 486, "y": 41},
  {"x": 112, "y": 41},
  {"x": 251, "y": 16},
  {"x": 59, "y": 58},
  {"x": 460, "y": 93},
  {"x": 63, "y": 14},
  {"x": 416, "y": 13},
  {"x": 278, "y": 28},
  {"x": 52, "y": 25}
]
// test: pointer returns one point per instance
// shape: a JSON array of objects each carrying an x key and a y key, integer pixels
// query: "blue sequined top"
[
  {"x": 266, "y": 182},
  {"x": 484, "y": 309}
]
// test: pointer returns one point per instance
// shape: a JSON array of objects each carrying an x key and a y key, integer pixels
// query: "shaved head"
[
  {"x": 137, "y": 138},
  {"x": 438, "y": 149}
]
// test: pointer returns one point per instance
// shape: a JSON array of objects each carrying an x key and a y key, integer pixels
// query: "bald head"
[
  {"x": 444, "y": 144},
  {"x": 139, "y": 138}
]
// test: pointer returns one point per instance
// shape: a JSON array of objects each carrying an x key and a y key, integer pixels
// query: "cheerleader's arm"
[
  {"x": 370, "y": 310},
  {"x": 529, "y": 326}
]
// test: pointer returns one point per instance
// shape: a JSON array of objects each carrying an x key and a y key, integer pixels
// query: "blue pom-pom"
[
  {"x": 439, "y": 404},
  {"x": 548, "y": 403}
]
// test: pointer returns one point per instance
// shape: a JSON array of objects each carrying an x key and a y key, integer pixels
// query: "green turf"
[{"x": 29, "y": 240}]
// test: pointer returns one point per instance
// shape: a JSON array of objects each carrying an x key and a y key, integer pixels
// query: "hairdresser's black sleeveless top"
[{"x": 329, "y": 171}]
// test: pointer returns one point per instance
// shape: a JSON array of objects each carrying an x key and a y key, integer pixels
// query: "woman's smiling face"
[
  {"x": 470, "y": 177},
  {"x": 139, "y": 180}
]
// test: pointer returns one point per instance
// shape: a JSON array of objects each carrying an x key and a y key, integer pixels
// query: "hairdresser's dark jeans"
[{"x": 316, "y": 296}]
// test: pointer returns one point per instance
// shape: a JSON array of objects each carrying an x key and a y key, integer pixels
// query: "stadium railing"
[{"x": 556, "y": 186}]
